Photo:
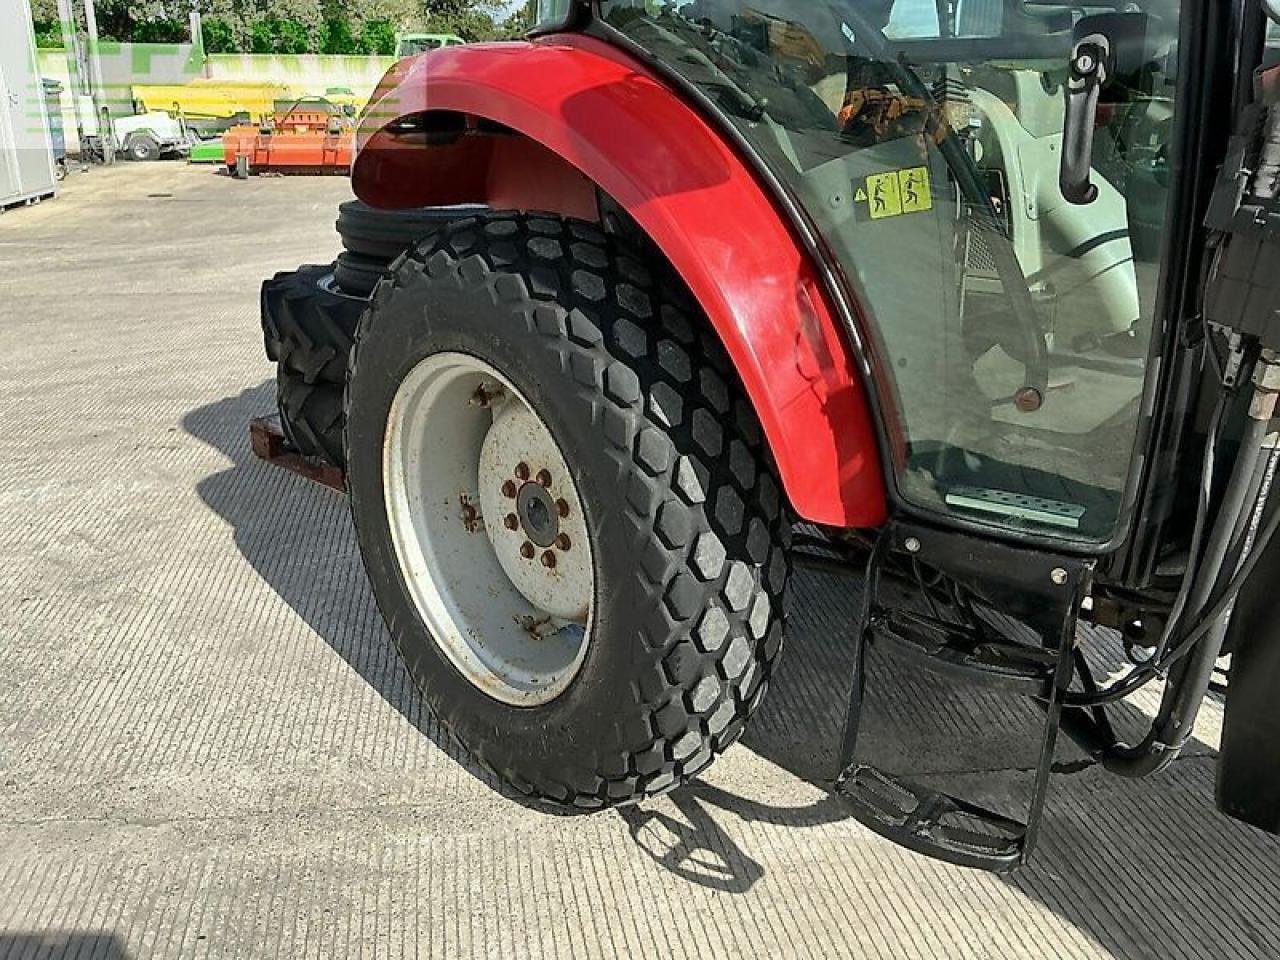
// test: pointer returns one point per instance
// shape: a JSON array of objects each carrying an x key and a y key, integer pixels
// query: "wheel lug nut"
[
  {"x": 509, "y": 489},
  {"x": 563, "y": 541},
  {"x": 522, "y": 470},
  {"x": 512, "y": 522},
  {"x": 544, "y": 478},
  {"x": 526, "y": 550},
  {"x": 548, "y": 559},
  {"x": 562, "y": 508}
]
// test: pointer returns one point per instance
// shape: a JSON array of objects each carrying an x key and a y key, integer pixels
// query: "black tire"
[
  {"x": 142, "y": 147},
  {"x": 688, "y": 525},
  {"x": 307, "y": 325},
  {"x": 385, "y": 234},
  {"x": 311, "y": 417},
  {"x": 358, "y": 275}
]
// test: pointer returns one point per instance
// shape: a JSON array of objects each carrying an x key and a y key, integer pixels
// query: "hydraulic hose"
[{"x": 1189, "y": 680}]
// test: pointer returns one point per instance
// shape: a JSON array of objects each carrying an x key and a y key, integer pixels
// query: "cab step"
[
  {"x": 931, "y": 822},
  {"x": 969, "y": 654},
  {"x": 979, "y": 615}
]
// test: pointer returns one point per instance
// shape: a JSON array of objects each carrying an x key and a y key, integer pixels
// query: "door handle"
[{"x": 1091, "y": 69}]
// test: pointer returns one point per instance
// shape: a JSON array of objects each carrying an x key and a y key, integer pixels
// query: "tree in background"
[
  {"x": 377, "y": 37},
  {"x": 291, "y": 26},
  {"x": 218, "y": 36},
  {"x": 336, "y": 36}
]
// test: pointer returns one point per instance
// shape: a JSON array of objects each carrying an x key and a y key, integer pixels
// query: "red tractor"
[{"x": 982, "y": 296}]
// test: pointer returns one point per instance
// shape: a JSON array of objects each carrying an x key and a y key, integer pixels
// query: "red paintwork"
[{"x": 622, "y": 129}]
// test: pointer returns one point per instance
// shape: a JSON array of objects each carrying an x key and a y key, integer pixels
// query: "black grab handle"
[{"x": 1091, "y": 66}]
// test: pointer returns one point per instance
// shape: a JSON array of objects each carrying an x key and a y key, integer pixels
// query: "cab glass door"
[{"x": 993, "y": 177}]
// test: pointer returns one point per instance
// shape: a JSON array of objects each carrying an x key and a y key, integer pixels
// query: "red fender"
[{"x": 622, "y": 129}]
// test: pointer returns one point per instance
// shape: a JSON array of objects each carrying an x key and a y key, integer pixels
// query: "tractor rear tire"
[
  {"x": 311, "y": 417},
  {"x": 385, "y": 234},
  {"x": 358, "y": 275},
  {"x": 684, "y": 523},
  {"x": 307, "y": 325}
]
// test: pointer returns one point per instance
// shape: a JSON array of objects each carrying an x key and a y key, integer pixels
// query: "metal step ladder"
[{"x": 925, "y": 589}]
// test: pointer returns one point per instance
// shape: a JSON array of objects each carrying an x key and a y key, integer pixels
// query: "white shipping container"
[{"x": 26, "y": 148}]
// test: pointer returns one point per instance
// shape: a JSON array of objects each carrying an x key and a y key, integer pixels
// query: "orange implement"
[
  {"x": 289, "y": 150},
  {"x": 308, "y": 138}
]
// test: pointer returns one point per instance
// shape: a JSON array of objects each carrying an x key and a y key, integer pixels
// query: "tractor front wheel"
[{"x": 565, "y": 508}]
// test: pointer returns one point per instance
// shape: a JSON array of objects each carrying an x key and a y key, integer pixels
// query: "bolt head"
[
  {"x": 511, "y": 522},
  {"x": 1028, "y": 400},
  {"x": 562, "y": 507},
  {"x": 509, "y": 489},
  {"x": 563, "y": 542},
  {"x": 548, "y": 559},
  {"x": 1058, "y": 575},
  {"x": 527, "y": 550},
  {"x": 912, "y": 544},
  {"x": 522, "y": 470},
  {"x": 544, "y": 477}
]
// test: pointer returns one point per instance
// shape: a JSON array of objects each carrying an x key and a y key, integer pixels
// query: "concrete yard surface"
[{"x": 209, "y": 748}]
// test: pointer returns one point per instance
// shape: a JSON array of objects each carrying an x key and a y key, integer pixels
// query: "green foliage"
[
  {"x": 160, "y": 31},
  {"x": 292, "y": 26},
  {"x": 292, "y": 37},
  {"x": 277, "y": 35},
  {"x": 218, "y": 36},
  {"x": 377, "y": 37},
  {"x": 336, "y": 36},
  {"x": 48, "y": 34}
]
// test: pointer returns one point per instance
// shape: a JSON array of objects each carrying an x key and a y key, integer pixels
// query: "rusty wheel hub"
[{"x": 489, "y": 529}]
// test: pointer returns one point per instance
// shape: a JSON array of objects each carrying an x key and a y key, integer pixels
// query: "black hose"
[
  {"x": 1185, "y": 691},
  {"x": 1142, "y": 675}
]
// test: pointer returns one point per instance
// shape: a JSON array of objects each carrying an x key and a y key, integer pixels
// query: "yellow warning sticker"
[
  {"x": 883, "y": 195},
  {"x": 897, "y": 192},
  {"x": 916, "y": 195}
]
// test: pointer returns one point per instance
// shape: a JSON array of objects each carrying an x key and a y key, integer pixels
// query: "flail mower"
[
  {"x": 983, "y": 295},
  {"x": 308, "y": 135}
]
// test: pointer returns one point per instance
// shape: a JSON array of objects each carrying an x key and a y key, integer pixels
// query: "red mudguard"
[{"x": 580, "y": 101}]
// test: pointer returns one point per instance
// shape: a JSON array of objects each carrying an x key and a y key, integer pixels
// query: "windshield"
[{"x": 1011, "y": 328}]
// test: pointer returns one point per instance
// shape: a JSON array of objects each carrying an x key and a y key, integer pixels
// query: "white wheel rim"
[{"x": 488, "y": 529}]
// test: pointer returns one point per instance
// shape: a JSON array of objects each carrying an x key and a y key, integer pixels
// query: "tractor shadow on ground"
[
  {"x": 297, "y": 536},
  {"x": 91, "y": 945}
]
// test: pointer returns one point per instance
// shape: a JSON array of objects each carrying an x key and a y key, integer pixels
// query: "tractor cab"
[{"x": 997, "y": 216}]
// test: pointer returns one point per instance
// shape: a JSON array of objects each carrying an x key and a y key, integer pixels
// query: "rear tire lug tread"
[{"x": 460, "y": 250}]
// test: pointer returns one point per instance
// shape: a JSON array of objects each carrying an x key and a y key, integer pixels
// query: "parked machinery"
[{"x": 307, "y": 135}]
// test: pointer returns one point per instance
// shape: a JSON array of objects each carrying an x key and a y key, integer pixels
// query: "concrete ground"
[{"x": 208, "y": 747}]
